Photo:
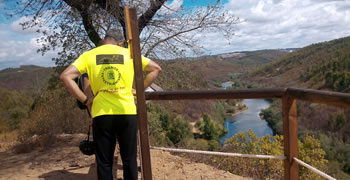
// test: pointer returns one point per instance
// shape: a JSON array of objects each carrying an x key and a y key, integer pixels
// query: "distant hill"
[
  {"x": 178, "y": 74},
  {"x": 318, "y": 66},
  {"x": 199, "y": 73},
  {"x": 18, "y": 88},
  {"x": 254, "y": 58},
  {"x": 29, "y": 78}
]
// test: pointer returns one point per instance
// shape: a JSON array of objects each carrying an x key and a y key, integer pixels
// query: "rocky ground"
[{"x": 63, "y": 160}]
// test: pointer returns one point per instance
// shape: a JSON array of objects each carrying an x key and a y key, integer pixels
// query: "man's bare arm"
[
  {"x": 67, "y": 77},
  {"x": 152, "y": 71}
]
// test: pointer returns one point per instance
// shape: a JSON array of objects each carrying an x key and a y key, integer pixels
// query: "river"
[{"x": 248, "y": 119}]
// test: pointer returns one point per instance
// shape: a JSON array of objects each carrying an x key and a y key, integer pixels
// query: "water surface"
[{"x": 248, "y": 120}]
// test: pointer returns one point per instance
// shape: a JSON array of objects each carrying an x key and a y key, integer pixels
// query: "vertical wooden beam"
[
  {"x": 290, "y": 133},
  {"x": 134, "y": 39},
  {"x": 129, "y": 33}
]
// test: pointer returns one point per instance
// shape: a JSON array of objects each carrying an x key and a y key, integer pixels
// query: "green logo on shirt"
[{"x": 110, "y": 75}]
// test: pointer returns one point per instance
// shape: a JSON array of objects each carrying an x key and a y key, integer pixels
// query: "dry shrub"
[
  {"x": 24, "y": 147},
  {"x": 249, "y": 143},
  {"x": 195, "y": 144},
  {"x": 34, "y": 142},
  {"x": 55, "y": 112},
  {"x": 8, "y": 140},
  {"x": 253, "y": 168}
]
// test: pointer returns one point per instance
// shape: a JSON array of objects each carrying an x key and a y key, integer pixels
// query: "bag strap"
[
  {"x": 88, "y": 134},
  {"x": 81, "y": 85}
]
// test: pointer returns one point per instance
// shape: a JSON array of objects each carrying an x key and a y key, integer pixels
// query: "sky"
[{"x": 266, "y": 24}]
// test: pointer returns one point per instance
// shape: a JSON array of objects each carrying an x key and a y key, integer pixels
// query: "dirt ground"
[{"x": 63, "y": 160}]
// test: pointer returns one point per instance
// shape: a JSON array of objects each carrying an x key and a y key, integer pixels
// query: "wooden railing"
[{"x": 289, "y": 110}]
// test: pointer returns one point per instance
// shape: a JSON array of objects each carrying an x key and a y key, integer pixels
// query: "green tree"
[
  {"x": 179, "y": 129},
  {"x": 164, "y": 119},
  {"x": 14, "y": 108},
  {"x": 208, "y": 128},
  {"x": 347, "y": 166},
  {"x": 337, "y": 121},
  {"x": 158, "y": 119},
  {"x": 157, "y": 134},
  {"x": 332, "y": 123},
  {"x": 220, "y": 110},
  {"x": 340, "y": 120}
]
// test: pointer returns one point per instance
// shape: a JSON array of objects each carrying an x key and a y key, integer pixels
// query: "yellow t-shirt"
[{"x": 111, "y": 75}]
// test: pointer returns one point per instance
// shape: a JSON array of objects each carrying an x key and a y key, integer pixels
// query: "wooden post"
[
  {"x": 134, "y": 39},
  {"x": 290, "y": 133}
]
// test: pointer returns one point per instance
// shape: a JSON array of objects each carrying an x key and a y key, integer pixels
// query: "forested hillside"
[
  {"x": 206, "y": 71},
  {"x": 29, "y": 79},
  {"x": 333, "y": 75},
  {"x": 318, "y": 66},
  {"x": 18, "y": 89},
  {"x": 323, "y": 66},
  {"x": 14, "y": 107}
]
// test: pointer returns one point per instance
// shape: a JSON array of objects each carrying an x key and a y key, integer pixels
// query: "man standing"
[{"x": 111, "y": 74}]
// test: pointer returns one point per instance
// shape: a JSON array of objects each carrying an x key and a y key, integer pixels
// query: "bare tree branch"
[
  {"x": 87, "y": 21},
  {"x": 82, "y": 6},
  {"x": 172, "y": 36},
  {"x": 151, "y": 11}
]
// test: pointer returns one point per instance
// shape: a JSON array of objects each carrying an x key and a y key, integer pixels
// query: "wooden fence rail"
[
  {"x": 322, "y": 97},
  {"x": 217, "y": 94},
  {"x": 314, "y": 96}
]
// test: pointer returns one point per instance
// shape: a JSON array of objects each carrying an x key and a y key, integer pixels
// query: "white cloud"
[
  {"x": 3, "y": 55},
  {"x": 272, "y": 24},
  {"x": 19, "y": 51},
  {"x": 19, "y": 47}
]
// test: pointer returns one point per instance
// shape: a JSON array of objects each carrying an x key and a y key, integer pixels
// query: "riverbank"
[
  {"x": 234, "y": 107},
  {"x": 231, "y": 110},
  {"x": 272, "y": 116},
  {"x": 237, "y": 112}
]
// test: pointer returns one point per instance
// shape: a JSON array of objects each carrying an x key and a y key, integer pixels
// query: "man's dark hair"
[{"x": 115, "y": 35}]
